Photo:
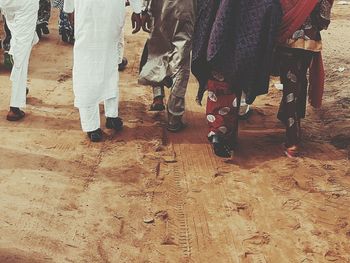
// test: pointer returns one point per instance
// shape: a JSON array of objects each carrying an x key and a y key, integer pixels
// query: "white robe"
[
  {"x": 120, "y": 46},
  {"x": 21, "y": 17},
  {"x": 98, "y": 27}
]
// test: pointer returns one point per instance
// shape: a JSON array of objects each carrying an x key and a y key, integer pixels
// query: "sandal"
[
  {"x": 291, "y": 152},
  {"x": 95, "y": 136},
  {"x": 15, "y": 114}
]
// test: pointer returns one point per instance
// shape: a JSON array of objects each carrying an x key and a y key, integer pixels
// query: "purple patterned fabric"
[{"x": 236, "y": 38}]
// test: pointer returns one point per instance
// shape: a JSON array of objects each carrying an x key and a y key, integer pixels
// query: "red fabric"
[
  {"x": 295, "y": 12},
  {"x": 222, "y": 109}
]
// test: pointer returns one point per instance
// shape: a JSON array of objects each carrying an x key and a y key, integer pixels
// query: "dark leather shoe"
[
  {"x": 123, "y": 64},
  {"x": 114, "y": 123},
  {"x": 45, "y": 30},
  {"x": 15, "y": 114},
  {"x": 158, "y": 104},
  {"x": 95, "y": 136},
  {"x": 176, "y": 127},
  {"x": 220, "y": 148}
]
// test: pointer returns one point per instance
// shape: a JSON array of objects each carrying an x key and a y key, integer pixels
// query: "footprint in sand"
[
  {"x": 239, "y": 208},
  {"x": 334, "y": 256},
  {"x": 291, "y": 204},
  {"x": 258, "y": 238}
]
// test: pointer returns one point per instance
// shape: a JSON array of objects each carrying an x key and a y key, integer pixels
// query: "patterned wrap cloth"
[
  {"x": 236, "y": 38},
  {"x": 222, "y": 111},
  {"x": 232, "y": 51},
  {"x": 308, "y": 36},
  {"x": 58, "y": 4},
  {"x": 297, "y": 54},
  {"x": 65, "y": 28},
  {"x": 44, "y": 12}
]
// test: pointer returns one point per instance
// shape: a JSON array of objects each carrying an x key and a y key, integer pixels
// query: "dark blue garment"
[
  {"x": 44, "y": 12},
  {"x": 65, "y": 28},
  {"x": 236, "y": 38}
]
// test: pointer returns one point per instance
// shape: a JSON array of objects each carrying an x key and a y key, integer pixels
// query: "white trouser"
[
  {"x": 21, "y": 17},
  {"x": 121, "y": 47},
  {"x": 244, "y": 108},
  {"x": 90, "y": 116},
  {"x": 158, "y": 91},
  {"x": 19, "y": 84}
]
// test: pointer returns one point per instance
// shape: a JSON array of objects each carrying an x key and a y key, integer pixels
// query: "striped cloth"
[{"x": 58, "y": 4}]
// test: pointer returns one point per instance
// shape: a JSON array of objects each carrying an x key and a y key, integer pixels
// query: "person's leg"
[
  {"x": 19, "y": 84},
  {"x": 111, "y": 107},
  {"x": 301, "y": 96},
  {"x": 158, "y": 99},
  {"x": 7, "y": 40},
  {"x": 244, "y": 109},
  {"x": 111, "y": 113},
  {"x": 18, "y": 93},
  {"x": 180, "y": 66},
  {"x": 21, "y": 23},
  {"x": 175, "y": 110},
  {"x": 90, "y": 118},
  {"x": 6, "y": 45},
  {"x": 65, "y": 28},
  {"x": 222, "y": 117},
  {"x": 176, "y": 101},
  {"x": 90, "y": 122},
  {"x": 294, "y": 66},
  {"x": 288, "y": 107},
  {"x": 44, "y": 14},
  {"x": 122, "y": 61},
  {"x": 61, "y": 22}
]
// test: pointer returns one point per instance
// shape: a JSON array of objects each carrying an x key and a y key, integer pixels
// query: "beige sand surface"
[{"x": 145, "y": 195}]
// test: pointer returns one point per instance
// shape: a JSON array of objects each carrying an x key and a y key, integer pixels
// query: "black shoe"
[
  {"x": 15, "y": 114},
  {"x": 114, "y": 123},
  {"x": 45, "y": 29},
  {"x": 71, "y": 39},
  {"x": 38, "y": 31},
  {"x": 176, "y": 127},
  {"x": 158, "y": 104},
  {"x": 64, "y": 36},
  {"x": 8, "y": 61},
  {"x": 123, "y": 64},
  {"x": 220, "y": 148},
  {"x": 6, "y": 43},
  {"x": 95, "y": 136},
  {"x": 27, "y": 91}
]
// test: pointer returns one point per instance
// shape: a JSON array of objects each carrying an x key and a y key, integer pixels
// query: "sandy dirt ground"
[{"x": 145, "y": 195}]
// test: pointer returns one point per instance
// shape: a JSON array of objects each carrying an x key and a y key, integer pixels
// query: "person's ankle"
[{"x": 14, "y": 109}]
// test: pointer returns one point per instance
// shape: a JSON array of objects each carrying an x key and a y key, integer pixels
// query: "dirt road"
[{"x": 145, "y": 195}]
